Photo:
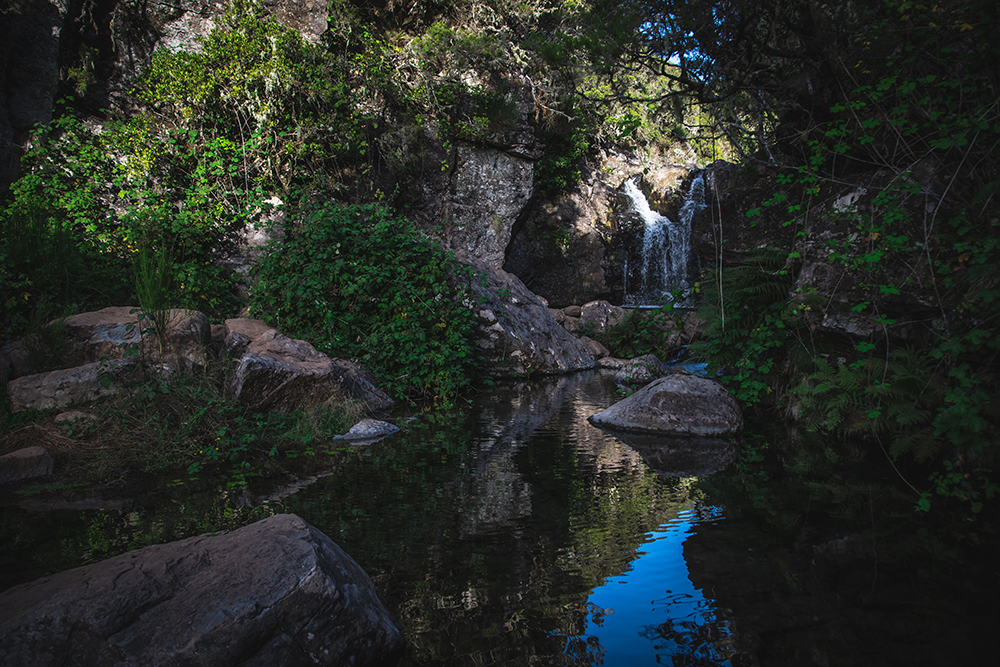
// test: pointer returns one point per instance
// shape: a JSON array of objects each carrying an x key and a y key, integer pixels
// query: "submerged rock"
[
  {"x": 277, "y": 592},
  {"x": 675, "y": 405}
]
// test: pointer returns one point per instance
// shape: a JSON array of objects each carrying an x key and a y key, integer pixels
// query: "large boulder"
[
  {"x": 517, "y": 332},
  {"x": 675, "y": 405},
  {"x": 280, "y": 374},
  {"x": 277, "y": 592}
]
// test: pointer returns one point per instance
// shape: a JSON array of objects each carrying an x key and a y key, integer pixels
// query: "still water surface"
[
  {"x": 522, "y": 534},
  {"x": 516, "y": 533}
]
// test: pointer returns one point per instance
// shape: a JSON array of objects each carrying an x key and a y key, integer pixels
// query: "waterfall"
[{"x": 661, "y": 261}]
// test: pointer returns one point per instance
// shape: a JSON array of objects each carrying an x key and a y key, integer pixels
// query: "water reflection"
[
  {"x": 514, "y": 533},
  {"x": 520, "y": 534}
]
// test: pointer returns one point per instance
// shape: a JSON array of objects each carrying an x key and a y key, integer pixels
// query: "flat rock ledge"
[
  {"x": 276, "y": 592},
  {"x": 675, "y": 405}
]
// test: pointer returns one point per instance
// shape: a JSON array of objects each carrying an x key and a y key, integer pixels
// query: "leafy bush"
[{"x": 363, "y": 284}]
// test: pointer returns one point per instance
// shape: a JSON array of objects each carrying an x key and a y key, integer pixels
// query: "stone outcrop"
[
  {"x": 277, "y": 592},
  {"x": 826, "y": 288},
  {"x": 489, "y": 189},
  {"x": 518, "y": 334},
  {"x": 675, "y": 405},
  {"x": 279, "y": 374}
]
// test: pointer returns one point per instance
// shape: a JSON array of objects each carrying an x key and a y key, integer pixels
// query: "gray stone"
[
  {"x": 276, "y": 592},
  {"x": 14, "y": 361},
  {"x": 241, "y": 331},
  {"x": 489, "y": 190},
  {"x": 72, "y": 417},
  {"x": 601, "y": 314},
  {"x": 368, "y": 430},
  {"x": 675, "y": 405},
  {"x": 280, "y": 374},
  {"x": 595, "y": 347},
  {"x": 73, "y": 386},
  {"x": 641, "y": 370},
  {"x": 25, "y": 464},
  {"x": 520, "y": 336}
]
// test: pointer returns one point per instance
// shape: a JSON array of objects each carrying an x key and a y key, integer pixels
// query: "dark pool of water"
[{"x": 518, "y": 534}]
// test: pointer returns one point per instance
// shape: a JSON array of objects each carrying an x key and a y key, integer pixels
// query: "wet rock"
[
  {"x": 675, "y": 405},
  {"x": 25, "y": 464},
  {"x": 368, "y": 430},
  {"x": 277, "y": 592},
  {"x": 280, "y": 374}
]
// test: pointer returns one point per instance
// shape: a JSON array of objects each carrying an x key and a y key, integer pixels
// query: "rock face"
[
  {"x": 489, "y": 190},
  {"x": 277, "y": 592},
  {"x": 279, "y": 374},
  {"x": 675, "y": 405},
  {"x": 518, "y": 333}
]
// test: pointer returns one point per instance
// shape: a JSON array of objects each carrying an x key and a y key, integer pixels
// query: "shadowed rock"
[
  {"x": 25, "y": 464},
  {"x": 277, "y": 592},
  {"x": 280, "y": 374}
]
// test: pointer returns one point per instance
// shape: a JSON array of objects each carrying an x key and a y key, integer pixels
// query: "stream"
[{"x": 518, "y": 534}]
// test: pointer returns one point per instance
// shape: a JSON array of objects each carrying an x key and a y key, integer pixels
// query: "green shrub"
[{"x": 362, "y": 284}]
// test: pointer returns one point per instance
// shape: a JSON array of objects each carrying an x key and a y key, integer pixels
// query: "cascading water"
[{"x": 661, "y": 263}]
